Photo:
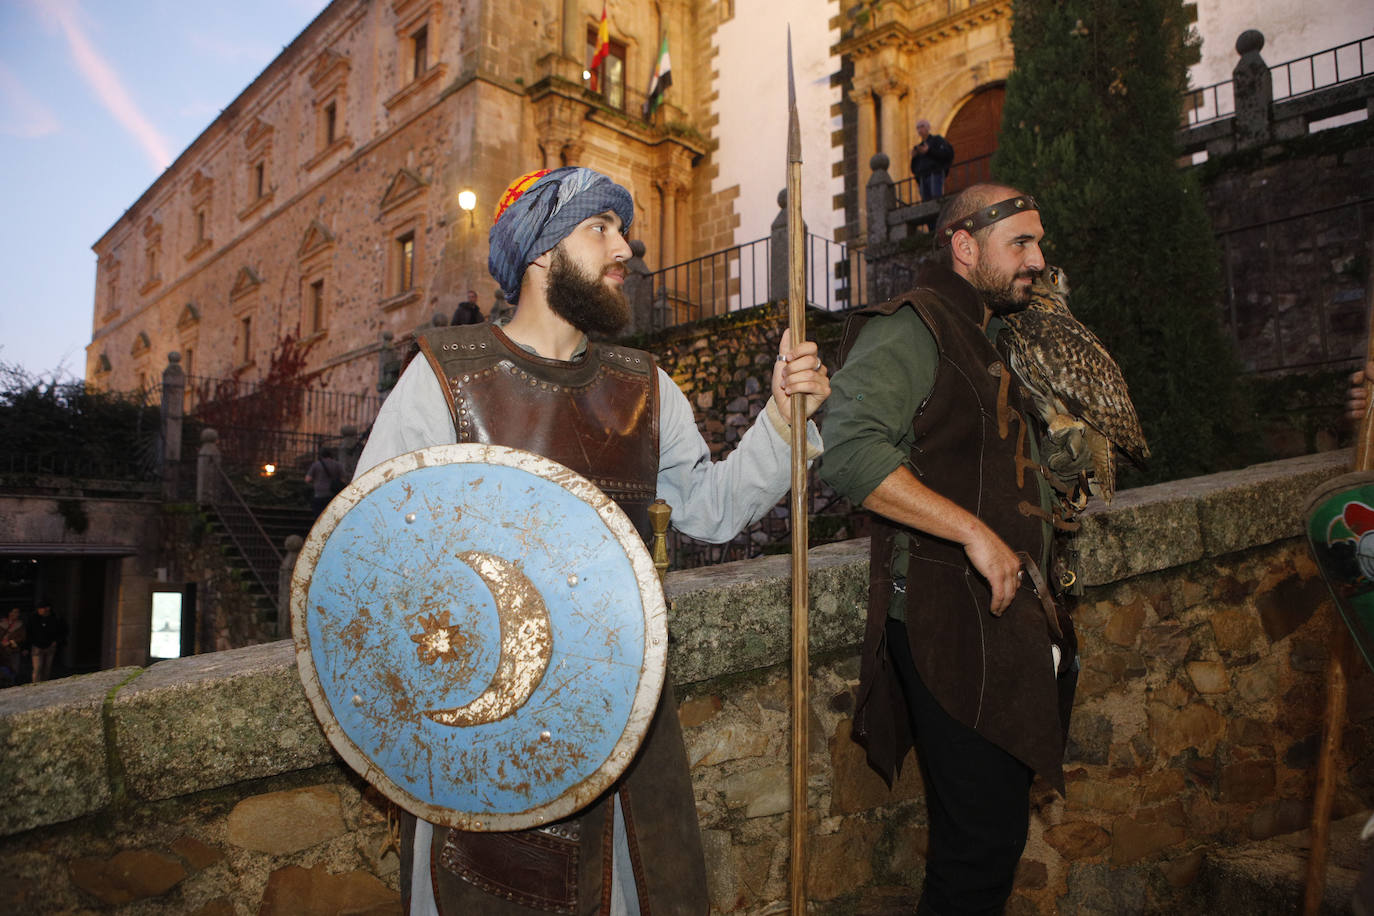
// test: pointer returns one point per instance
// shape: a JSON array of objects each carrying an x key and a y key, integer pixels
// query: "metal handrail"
[
  {"x": 1212, "y": 103},
  {"x": 961, "y": 175},
  {"x": 247, "y": 534},
  {"x": 741, "y": 277}
]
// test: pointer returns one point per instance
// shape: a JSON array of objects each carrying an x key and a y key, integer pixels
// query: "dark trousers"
[{"x": 977, "y": 796}]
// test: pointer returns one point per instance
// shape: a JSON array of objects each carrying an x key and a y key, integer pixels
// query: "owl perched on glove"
[{"x": 1077, "y": 387}]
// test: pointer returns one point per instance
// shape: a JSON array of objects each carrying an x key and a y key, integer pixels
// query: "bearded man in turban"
[{"x": 558, "y": 250}]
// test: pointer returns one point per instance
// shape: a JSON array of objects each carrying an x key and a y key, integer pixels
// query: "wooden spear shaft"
[{"x": 801, "y": 650}]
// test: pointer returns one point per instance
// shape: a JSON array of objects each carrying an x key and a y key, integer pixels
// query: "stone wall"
[{"x": 203, "y": 785}]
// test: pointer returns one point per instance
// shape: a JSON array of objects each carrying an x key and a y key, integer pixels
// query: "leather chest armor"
[{"x": 597, "y": 414}]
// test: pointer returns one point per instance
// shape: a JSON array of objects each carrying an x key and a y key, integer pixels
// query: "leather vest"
[
  {"x": 971, "y": 444},
  {"x": 598, "y": 415}
]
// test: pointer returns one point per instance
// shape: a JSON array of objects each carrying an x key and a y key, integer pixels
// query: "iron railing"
[
  {"x": 722, "y": 281},
  {"x": 961, "y": 175},
  {"x": 222, "y": 402},
  {"x": 1291, "y": 79},
  {"x": 744, "y": 276},
  {"x": 246, "y": 532}
]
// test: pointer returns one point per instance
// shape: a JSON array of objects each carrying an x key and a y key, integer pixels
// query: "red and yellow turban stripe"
[{"x": 517, "y": 187}]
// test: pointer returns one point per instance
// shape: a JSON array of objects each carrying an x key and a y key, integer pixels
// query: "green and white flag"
[{"x": 660, "y": 81}]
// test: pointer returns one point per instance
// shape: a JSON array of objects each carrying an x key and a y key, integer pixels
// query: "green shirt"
[{"x": 886, "y": 378}]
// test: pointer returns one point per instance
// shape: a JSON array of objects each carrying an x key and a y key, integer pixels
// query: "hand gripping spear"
[{"x": 801, "y": 671}]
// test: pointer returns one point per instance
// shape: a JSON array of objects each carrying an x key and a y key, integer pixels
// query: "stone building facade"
[
  {"x": 321, "y": 210},
  {"x": 323, "y": 205}
]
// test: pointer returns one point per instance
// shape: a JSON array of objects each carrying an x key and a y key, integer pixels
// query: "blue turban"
[{"x": 538, "y": 211}]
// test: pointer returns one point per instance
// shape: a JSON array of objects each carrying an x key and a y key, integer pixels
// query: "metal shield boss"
[{"x": 482, "y": 635}]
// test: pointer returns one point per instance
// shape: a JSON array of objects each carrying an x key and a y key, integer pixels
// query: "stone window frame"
[
  {"x": 152, "y": 256},
  {"x": 244, "y": 297},
  {"x": 314, "y": 257},
  {"x": 410, "y": 227},
  {"x": 413, "y": 18},
  {"x": 202, "y": 193},
  {"x": 258, "y": 189},
  {"x": 329, "y": 81},
  {"x": 188, "y": 337},
  {"x": 109, "y": 268}
]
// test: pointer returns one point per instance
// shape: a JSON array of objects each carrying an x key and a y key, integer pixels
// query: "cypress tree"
[{"x": 1088, "y": 129}]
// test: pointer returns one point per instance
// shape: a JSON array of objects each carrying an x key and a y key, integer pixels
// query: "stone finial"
[
  {"x": 782, "y": 198},
  {"x": 1251, "y": 41},
  {"x": 879, "y": 162},
  {"x": 293, "y": 543},
  {"x": 174, "y": 357},
  {"x": 208, "y": 436},
  {"x": 1254, "y": 92},
  {"x": 637, "y": 248}
]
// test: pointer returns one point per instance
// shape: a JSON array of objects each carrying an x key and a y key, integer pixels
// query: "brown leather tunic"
[
  {"x": 597, "y": 415},
  {"x": 971, "y": 445}
]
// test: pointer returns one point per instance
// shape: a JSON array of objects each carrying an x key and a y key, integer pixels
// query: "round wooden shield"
[{"x": 482, "y": 634}]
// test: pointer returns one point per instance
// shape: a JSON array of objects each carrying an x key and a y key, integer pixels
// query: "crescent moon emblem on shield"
[{"x": 526, "y": 643}]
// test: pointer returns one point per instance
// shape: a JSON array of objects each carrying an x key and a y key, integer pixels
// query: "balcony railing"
[
  {"x": 1291, "y": 79},
  {"x": 961, "y": 175}
]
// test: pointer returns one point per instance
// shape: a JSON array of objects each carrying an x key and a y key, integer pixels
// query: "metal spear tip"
[{"x": 793, "y": 123}]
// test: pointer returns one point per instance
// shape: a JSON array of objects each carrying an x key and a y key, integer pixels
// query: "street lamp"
[{"x": 468, "y": 201}]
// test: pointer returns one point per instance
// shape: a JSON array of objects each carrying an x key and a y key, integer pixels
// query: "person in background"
[{"x": 46, "y": 632}]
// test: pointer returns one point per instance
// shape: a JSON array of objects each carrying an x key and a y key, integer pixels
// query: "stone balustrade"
[{"x": 204, "y": 785}]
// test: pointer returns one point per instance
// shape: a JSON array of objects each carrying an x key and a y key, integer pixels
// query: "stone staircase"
[
  {"x": 1266, "y": 877},
  {"x": 278, "y": 523}
]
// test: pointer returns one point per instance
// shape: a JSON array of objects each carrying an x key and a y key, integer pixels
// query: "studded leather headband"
[{"x": 987, "y": 216}]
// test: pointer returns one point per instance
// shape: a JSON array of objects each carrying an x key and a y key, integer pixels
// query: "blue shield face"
[{"x": 481, "y": 633}]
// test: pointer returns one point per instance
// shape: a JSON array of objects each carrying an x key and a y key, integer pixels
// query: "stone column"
[
  {"x": 173, "y": 407},
  {"x": 893, "y": 140},
  {"x": 669, "y": 187},
  {"x": 1254, "y": 89},
  {"x": 867, "y": 146},
  {"x": 881, "y": 197},
  {"x": 573, "y": 39},
  {"x": 207, "y": 468}
]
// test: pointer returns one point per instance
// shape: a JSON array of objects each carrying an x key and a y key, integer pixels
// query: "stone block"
[
  {"x": 722, "y": 875},
  {"x": 1090, "y": 738},
  {"x": 1124, "y": 625},
  {"x": 52, "y": 749},
  {"x": 1247, "y": 782},
  {"x": 1235, "y": 630},
  {"x": 856, "y": 787},
  {"x": 204, "y": 721},
  {"x": 1175, "y": 730},
  {"x": 1146, "y": 833},
  {"x": 761, "y": 792},
  {"x": 1162, "y": 786},
  {"x": 698, "y": 710},
  {"x": 296, "y": 891},
  {"x": 197, "y": 854},
  {"x": 1288, "y": 604},
  {"x": 839, "y": 862},
  {"x": 128, "y": 876},
  {"x": 1098, "y": 794},
  {"x": 285, "y": 822},
  {"x": 1209, "y": 677},
  {"x": 1077, "y": 839},
  {"x": 738, "y": 740}
]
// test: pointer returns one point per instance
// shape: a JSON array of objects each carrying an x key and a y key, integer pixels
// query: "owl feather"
[{"x": 1076, "y": 386}]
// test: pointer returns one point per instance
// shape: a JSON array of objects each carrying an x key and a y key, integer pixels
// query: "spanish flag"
[
  {"x": 660, "y": 81},
  {"x": 603, "y": 47}
]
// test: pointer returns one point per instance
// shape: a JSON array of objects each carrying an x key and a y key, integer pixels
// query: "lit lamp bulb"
[
  {"x": 268, "y": 470},
  {"x": 468, "y": 201}
]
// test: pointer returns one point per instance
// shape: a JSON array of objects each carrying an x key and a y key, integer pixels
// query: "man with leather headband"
[
  {"x": 965, "y": 654},
  {"x": 558, "y": 249}
]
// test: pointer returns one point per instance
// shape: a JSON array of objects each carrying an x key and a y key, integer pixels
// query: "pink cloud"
[{"x": 106, "y": 83}]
